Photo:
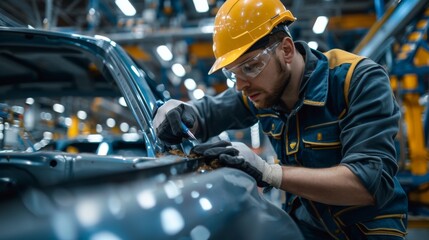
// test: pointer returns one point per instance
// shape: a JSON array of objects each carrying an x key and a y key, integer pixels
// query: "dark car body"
[{"x": 57, "y": 194}]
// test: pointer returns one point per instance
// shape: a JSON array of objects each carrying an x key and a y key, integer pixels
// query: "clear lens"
[
  {"x": 252, "y": 67},
  {"x": 228, "y": 74}
]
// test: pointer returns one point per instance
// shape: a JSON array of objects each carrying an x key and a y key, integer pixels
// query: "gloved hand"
[
  {"x": 168, "y": 118},
  {"x": 265, "y": 174},
  {"x": 238, "y": 155},
  {"x": 214, "y": 150}
]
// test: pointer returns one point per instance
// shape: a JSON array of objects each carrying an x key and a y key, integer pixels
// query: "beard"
[{"x": 273, "y": 95}]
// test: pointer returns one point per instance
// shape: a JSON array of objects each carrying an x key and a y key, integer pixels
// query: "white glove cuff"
[{"x": 273, "y": 175}]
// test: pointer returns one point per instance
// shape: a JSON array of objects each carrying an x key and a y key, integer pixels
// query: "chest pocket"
[
  {"x": 273, "y": 127},
  {"x": 322, "y": 146}
]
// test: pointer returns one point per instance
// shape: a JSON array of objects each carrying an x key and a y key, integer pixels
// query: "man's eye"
[{"x": 250, "y": 67}]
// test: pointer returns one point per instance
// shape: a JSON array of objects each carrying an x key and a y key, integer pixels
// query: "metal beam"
[
  {"x": 397, "y": 17},
  {"x": 48, "y": 14},
  {"x": 160, "y": 36}
]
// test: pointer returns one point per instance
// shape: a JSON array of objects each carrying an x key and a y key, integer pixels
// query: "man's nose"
[{"x": 240, "y": 83}]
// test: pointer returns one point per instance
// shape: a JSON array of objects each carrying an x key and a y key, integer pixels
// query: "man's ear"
[{"x": 288, "y": 49}]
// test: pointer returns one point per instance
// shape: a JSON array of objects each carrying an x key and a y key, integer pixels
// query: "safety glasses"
[{"x": 252, "y": 67}]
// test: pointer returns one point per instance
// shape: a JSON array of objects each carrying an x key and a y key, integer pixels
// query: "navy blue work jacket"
[{"x": 347, "y": 115}]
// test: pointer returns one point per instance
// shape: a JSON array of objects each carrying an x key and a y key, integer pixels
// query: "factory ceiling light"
[
  {"x": 320, "y": 24},
  {"x": 201, "y": 5},
  {"x": 313, "y": 44},
  {"x": 164, "y": 53},
  {"x": 126, "y": 7},
  {"x": 178, "y": 69},
  {"x": 190, "y": 84}
]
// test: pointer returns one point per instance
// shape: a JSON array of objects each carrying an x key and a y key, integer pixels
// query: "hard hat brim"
[{"x": 229, "y": 58}]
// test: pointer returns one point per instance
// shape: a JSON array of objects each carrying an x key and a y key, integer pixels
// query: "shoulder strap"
[{"x": 337, "y": 57}]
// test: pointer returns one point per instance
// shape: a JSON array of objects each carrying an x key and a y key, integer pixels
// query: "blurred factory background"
[{"x": 172, "y": 38}]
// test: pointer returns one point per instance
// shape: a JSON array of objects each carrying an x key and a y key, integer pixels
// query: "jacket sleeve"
[
  {"x": 369, "y": 130},
  {"x": 223, "y": 112}
]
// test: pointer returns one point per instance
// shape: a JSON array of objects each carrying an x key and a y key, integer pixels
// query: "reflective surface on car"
[{"x": 68, "y": 170}]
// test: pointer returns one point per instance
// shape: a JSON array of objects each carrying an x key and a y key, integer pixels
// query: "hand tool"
[{"x": 188, "y": 132}]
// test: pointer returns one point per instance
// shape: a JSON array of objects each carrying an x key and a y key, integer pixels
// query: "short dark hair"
[{"x": 277, "y": 34}]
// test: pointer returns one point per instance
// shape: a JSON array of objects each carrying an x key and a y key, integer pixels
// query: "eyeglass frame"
[{"x": 230, "y": 74}]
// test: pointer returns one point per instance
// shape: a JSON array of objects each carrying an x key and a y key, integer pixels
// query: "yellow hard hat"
[{"x": 241, "y": 23}]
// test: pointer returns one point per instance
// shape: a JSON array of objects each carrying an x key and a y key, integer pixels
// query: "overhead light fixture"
[
  {"x": 313, "y": 44},
  {"x": 320, "y": 24},
  {"x": 81, "y": 115},
  {"x": 201, "y": 5},
  {"x": 29, "y": 101},
  {"x": 178, "y": 69},
  {"x": 198, "y": 93},
  {"x": 58, "y": 108},
  {"x": 124, "y": 127},
  {"x": 190, "y": 84},
  {"x": 126, "y": 7},
  {"x": 98, "y": 128},
  {"x": 164, "y": 53},
  {"x": 46, "y": 116},
  {"x": 110, "y": 122},
  {"x": 68, "y": 121}
]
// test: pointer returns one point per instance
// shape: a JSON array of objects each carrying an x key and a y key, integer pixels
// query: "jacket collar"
[{"x": 314, "y": 85}]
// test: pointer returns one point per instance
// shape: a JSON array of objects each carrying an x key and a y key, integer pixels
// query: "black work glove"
[
  {"x": 169, "y": 117},
  {"x": 239, "y": 156},
  {"x": 213, "y": 150}
]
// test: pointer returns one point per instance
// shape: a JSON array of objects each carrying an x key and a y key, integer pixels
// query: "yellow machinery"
[
  {"x": 410, "y": 77},
  {"x": 399, "y": 40}
]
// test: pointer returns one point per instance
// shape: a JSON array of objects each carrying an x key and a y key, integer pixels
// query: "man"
[{"x": 331, "y": 118}]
